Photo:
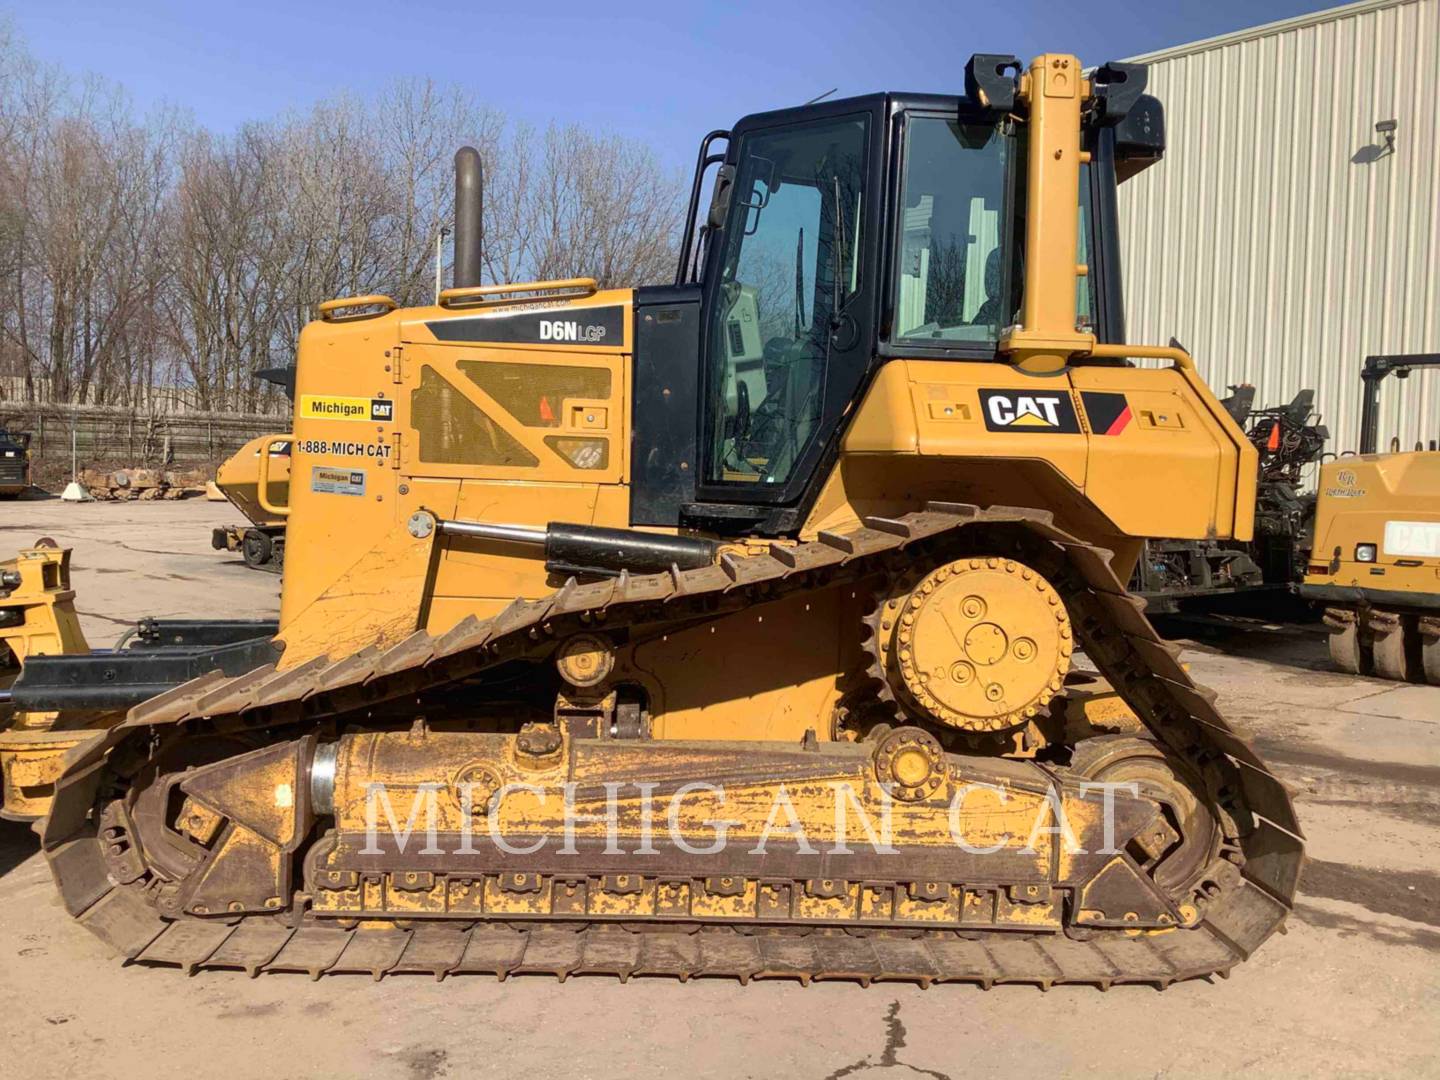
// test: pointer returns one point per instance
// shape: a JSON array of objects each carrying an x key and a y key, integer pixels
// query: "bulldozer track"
[
  {"x": 502, "y": 951},
  {"x": 1240, "y": 908}
]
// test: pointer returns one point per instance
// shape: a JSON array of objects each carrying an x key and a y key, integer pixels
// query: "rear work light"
[{"x": 1364, "y": 552}]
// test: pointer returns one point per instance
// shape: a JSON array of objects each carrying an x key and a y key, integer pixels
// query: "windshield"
[
  {"x": 790, "y": 263},
  {"x": 954, "y": 233}
]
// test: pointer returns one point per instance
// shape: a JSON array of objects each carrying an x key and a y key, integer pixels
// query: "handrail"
[
  {"x": 1182, "y": 359},
  {"x": 582, "y": 286},
  {"x": 692, "y": 211},
  {"x": 262, "y": 487},
  {"x": 329, "y": 307}
]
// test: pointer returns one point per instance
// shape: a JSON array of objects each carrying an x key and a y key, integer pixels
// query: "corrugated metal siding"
[{"x": 1267, "y": 243}]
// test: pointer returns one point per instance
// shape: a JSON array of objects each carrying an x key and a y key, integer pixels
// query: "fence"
[{"x": 108, "y": 437}]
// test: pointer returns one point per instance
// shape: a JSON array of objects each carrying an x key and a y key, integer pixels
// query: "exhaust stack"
[{"x": 469, "y": 217}]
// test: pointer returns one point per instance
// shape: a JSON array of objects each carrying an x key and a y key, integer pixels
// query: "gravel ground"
[{"x": 1351, "y": 990}]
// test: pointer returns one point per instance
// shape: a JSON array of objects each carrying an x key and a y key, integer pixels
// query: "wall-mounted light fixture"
[
  {"x": 1387, "y": 129},
  {"x": 1381, "y": 148}
]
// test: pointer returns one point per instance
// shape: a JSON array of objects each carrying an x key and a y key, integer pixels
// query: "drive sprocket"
[{"x": 979, "y": 645}]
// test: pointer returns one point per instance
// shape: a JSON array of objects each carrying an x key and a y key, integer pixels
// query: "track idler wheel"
[
  {"x": 1160, "y": 776},
  {"x": 979, "y": 644}
]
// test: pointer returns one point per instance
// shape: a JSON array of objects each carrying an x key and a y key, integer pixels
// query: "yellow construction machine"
[
  {"x": 40, "y": 626},
  {"x": 262, "y": 542},
  {"x": 1375, "y": 560},
  {"x": 37, "y": 618},
  {"x": 726, "y": 627}
]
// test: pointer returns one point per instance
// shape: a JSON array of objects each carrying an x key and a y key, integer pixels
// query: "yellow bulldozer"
[
  {"x": 729, "y": 626},
  {"x": 1375, "y": 561},
  {"x": 37, "y": 618},
  {"x": 261, "y": 543}
]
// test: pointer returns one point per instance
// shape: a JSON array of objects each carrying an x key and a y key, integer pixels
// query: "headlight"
[{"x": 1364, "y": 552}]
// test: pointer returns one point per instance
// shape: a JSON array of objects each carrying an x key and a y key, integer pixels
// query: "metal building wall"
[{"x": 1276, "y": 240}]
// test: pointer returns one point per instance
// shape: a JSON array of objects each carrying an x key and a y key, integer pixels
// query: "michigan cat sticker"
[
  {"x": 329, "y": 407},
  {"x": 1029, "y": 411},
  {"x": 330, "y": 481}
]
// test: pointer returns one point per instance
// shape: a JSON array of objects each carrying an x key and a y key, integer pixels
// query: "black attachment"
[
  {"x": 986, "y": 81},
  {"x": 591, "y": 550},
  {"x": 1240, "y": 403},
  {"x": 667, "y": 373},
  {"x": 720, "y": 197},
  {"x": 165, "y": 654},
  {"x": 469, "y": 217},
  {"x": 1139, "y": 137},
  {"x": 1372, "y": 374},
  {"x": 1118, "y": 87},
  {"x": 283, "y": 377},
  {"x": 151, "y": 633}
]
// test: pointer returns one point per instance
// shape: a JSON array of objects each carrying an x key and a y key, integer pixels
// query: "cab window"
[
  {"x": 954, "y": 235},
  {"x": 1085, "y": 283}
]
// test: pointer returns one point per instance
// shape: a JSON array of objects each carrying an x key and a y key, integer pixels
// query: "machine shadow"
[
  {"x": 17, "y": 843},
  {"x": 1301, "y": 646}
]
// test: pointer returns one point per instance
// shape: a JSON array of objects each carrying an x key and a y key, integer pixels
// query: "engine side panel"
[
  {"x": 513, "y": 412},
  {"x": 1116, "y": 452}
]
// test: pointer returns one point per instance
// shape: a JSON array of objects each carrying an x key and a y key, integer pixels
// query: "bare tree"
[
  {"x": 594, "y": 206},
  {"x": 152, "y": 256}
]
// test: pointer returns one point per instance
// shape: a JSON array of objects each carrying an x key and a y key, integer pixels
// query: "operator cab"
[{"x": 839, "y": 235}]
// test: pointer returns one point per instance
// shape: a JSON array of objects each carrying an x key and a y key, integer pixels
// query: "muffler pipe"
[{"x": 469, "y": 217}]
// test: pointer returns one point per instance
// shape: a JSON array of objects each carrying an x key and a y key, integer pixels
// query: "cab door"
[{"x": 790, "y": 288}]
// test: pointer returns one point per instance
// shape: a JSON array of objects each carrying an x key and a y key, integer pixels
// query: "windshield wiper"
[
  {"x": 800, "y": 284},
  {"x": 839, "y": 248}
]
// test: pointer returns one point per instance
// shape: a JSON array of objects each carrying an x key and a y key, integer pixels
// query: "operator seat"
[{"x": 989, "y": 312}]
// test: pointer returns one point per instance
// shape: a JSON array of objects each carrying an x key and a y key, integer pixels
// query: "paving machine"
[
  {"x": 1375, "y": 564},
  {"x": 726, "y": 627},
  {"x": 261, "y": 543}
]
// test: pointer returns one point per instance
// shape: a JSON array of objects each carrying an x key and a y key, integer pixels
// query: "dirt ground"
[{"x": 1351, "y": 990}]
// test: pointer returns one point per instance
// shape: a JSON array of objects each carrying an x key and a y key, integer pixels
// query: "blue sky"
[{"x": 663, "y": 72}]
